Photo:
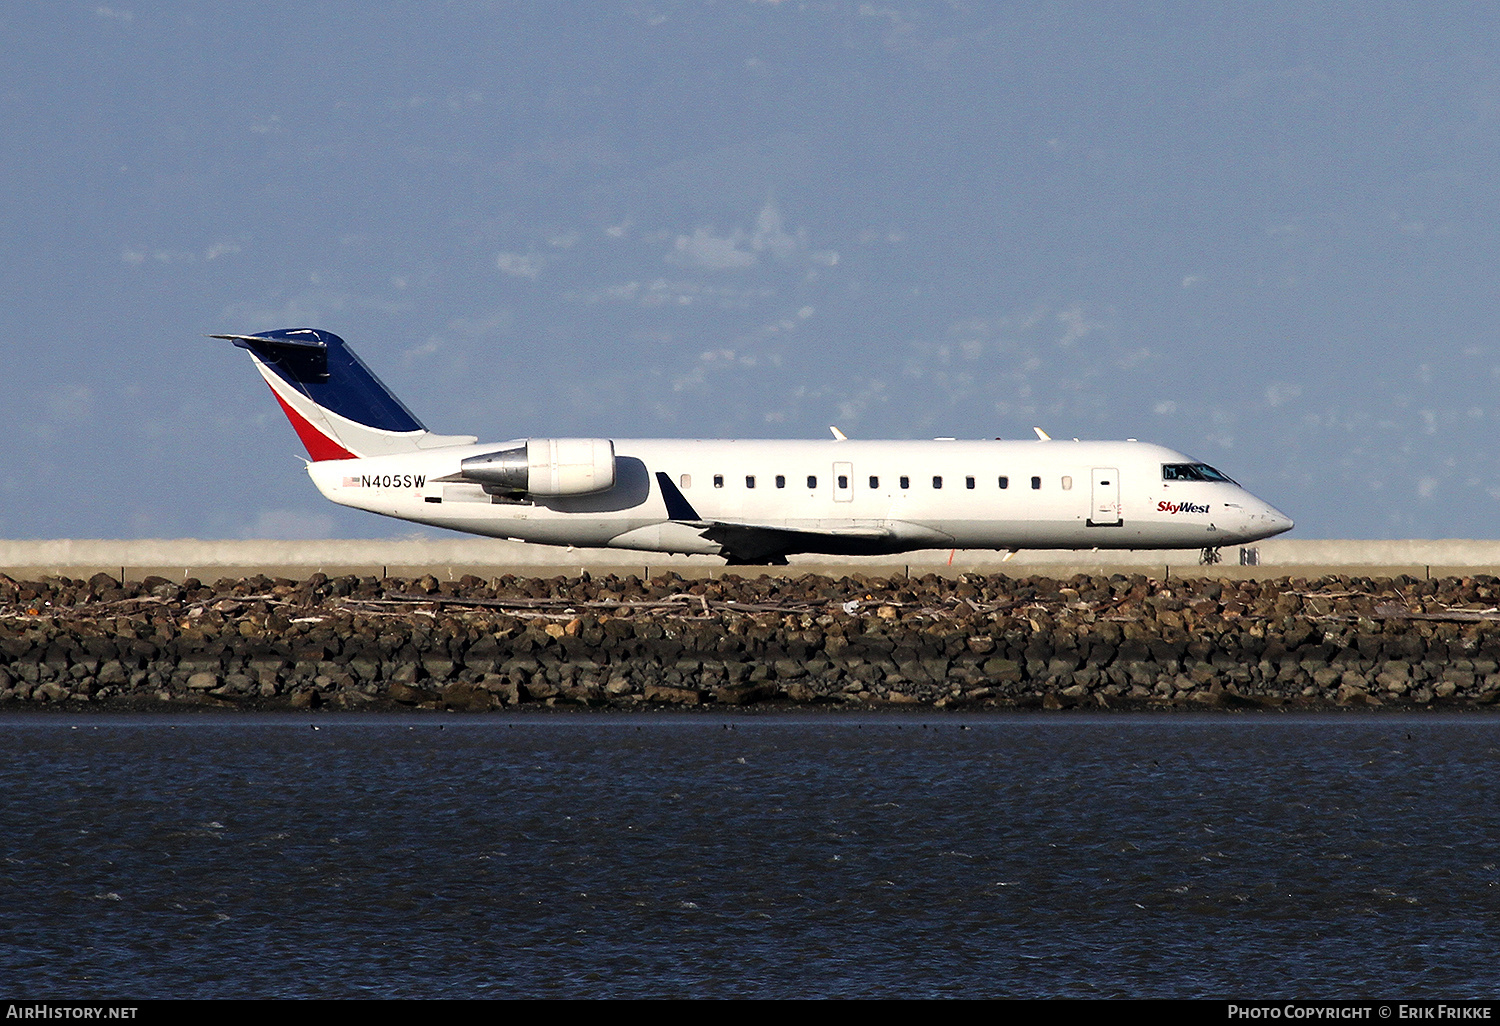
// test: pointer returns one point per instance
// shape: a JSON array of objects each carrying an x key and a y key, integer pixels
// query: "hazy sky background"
[{"x": 1265, "y": 234}]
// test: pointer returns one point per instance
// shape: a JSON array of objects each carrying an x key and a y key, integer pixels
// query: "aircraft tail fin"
[{"x": 339, "y": 409}]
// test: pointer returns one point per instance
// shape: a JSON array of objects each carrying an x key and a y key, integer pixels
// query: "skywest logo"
[
  {"x": 386, "y": 481},
  {"x": 1180, "y": 507}
]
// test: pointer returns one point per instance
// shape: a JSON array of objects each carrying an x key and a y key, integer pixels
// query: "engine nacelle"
[{"x": 547, "y": 466}]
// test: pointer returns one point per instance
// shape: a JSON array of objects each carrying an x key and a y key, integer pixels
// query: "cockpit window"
[{"x": 1192, "y": 472}]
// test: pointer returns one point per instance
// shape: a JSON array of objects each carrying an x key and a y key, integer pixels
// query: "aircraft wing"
[
  {"x": 750, "y": 541},
  {"x": 754, "y": 542}
]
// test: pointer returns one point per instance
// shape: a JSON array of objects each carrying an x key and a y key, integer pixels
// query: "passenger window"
[
  {"x": 874, "y": 482},
  {"x": 1036, "y": 483},
  {"x": 1005, "y": 482},
  {"x": 1067, "y": 483},
  {"x": 780, "y": 480},
  {"x": 686, "y": 480},
  {"x": 969, "y": 483},
  {"x": 812, "y": 481},
  {"x": 905, "y": 481},
  {"x": 718, "y": 480},
  {"x": 937, "y": 482},
  {"x": 749, "y": 480},
  {"x": 843, "y": 481}
]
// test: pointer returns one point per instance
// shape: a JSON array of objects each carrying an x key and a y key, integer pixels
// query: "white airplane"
[{"x": 752, "y": 502}]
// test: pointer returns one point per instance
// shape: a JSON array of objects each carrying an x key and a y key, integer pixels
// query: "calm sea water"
[{"x": 695, "y": 855}]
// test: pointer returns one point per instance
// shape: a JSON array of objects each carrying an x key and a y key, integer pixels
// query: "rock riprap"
[{"x": 974, "y": 641}]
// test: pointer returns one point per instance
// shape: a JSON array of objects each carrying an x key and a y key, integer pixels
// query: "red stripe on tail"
[{"x": 319, "y": 446}]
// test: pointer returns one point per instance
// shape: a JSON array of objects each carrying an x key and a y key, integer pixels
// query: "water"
[{"x": 620, "y": 855}]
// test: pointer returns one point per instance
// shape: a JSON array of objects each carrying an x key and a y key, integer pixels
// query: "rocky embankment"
[{"x": 973, "y": 642}]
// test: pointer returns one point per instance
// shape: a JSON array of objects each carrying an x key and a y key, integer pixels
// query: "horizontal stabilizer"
[
  {"x": 270, "y": 342},
  {"x": 304, "y": 357}
]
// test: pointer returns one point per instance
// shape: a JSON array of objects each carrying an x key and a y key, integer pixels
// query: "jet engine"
[{"x": 546, "y": 466}]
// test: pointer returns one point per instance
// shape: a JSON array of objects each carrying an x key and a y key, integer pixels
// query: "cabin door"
[
  {"x": 1105, "y": 509},
  {"x": 843, "y": 482}
]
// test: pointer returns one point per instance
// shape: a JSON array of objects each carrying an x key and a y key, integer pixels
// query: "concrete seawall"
[{"x": 177, "y": 559}]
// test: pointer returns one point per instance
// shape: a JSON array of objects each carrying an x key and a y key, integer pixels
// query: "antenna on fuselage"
[
  {"x": 1042, "y": 435},
  {"x": 838, "y": 436}
]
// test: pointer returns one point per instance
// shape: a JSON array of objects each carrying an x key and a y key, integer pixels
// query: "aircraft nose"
[
  {"x": 1259, "y": 519},
  {"x": 1276, "y": 522}
]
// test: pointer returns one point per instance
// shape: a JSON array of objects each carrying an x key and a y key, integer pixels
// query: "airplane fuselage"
[{"x": 851, "y": 497}]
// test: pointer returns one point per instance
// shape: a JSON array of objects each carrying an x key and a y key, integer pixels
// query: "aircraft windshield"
[{"x": 1192, "y": 472}]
